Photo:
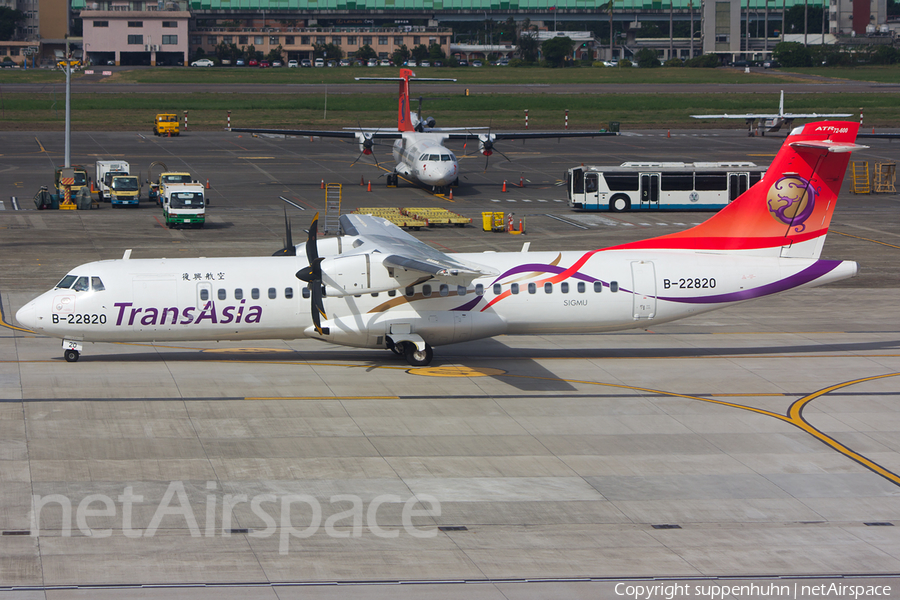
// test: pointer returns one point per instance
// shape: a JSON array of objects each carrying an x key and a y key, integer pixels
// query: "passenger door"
[
  {"x": 644, "y": 287},
  {"x": 649, "y": 190}
]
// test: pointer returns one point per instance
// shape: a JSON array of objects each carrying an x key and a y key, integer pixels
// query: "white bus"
[{"x": 660, "y": 186}]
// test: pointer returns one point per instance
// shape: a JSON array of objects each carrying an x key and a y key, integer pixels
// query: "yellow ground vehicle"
[
  {"x": 81, "y": 180},
  {"x": 165, "y": 124},
  {"x": 73, "y": 62},
  {"x": 124, "y": 190}
]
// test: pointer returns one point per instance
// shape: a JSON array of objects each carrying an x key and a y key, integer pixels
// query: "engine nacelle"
[
  {"x": 430, "y": 122},
  {"x": 363, "y": 274}
]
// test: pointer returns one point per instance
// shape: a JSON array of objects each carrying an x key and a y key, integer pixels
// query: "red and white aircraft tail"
[
  {"x": 404, "y": 118},
  {"x": 788, "y": 212}
]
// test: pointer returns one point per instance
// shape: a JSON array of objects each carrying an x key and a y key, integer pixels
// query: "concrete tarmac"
[{"x": 754, "y": 445}]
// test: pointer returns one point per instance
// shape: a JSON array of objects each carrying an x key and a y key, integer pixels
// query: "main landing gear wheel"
[
  {"x": 418, "y": 358},
  {"x": 71, "y": 355}
]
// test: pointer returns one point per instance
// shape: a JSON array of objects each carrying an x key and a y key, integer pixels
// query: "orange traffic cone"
[
  {"x": 521, "y": 226},
  {"x": 504, "y": 186},
  {"x": 369, "y": 188},
  {"x": 322, "y": 185},
  {"x": 207, "y": 183},
  {"x": 362, "y": 180},
  {"x": 450, "y": 197},
  {"x": 521, "y": 181},
  {"x": 668, "y": 133}
]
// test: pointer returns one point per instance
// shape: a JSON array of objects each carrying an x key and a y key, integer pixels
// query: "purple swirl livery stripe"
[
  {"x": 534, "y": 267},
  {"x": 811, "y": 273}
]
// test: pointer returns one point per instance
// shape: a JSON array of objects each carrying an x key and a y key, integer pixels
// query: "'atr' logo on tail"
[{"x": 791, "y": 201}]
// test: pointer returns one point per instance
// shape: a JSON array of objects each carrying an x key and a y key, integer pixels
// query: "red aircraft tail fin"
[
  {"x": 404, "y": 120},
  {"x": 788, "y": 212}
]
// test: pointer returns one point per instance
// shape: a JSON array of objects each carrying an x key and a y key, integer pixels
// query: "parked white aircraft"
[
  {"x": 772, "y": 122},
  {"x": 379, "y": 287},
  {"x": 419, "y": 146}
]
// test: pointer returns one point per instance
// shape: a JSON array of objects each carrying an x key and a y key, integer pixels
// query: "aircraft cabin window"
[
  {"x": 445, "y": 158},
  {"x": 288, "y": 292},
  {"x": 272, "y": 293},
  {"x": 66, "y": 282},
  {"x": 514, "y": 288},
  {"x": 305, "y": 293},
  {"x": 254, "y": 293},
  {"x": 598, "y": 286},
  {"x": 479, "y": 289},
  {"x": 532, "y": 288},
  {"x": 445, "y": 289},
  {"x": 564, "y": 287},
  {"x": 426, "y": 290},
  {"x": 410, "y": 291},
  {"x": 392, "y": 293},
  {"x": 580, "y": 287},
  {"x": 204, "y": 294},
  {"x": 221, "y": 293},
  {"x": 461, "y": 290},
  {"x": 97, "y": 285},
  {"x": 374, "y": 294},
  {"x": 614, "y": 286},
  {"x": 548, "y": 288},
  {"x": 497, "y": 289},
  {"x": 81, "y": 285},
  {"x": 238, "y": 294}
]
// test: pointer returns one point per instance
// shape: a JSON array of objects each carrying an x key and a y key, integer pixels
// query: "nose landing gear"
[{"x": 72, "y": 350}]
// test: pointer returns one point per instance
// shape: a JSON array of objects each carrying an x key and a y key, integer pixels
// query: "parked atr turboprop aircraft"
[
  {"x": 771, "y": 122},
  {"x": 379, "y": 287},
  {"x": 419, "y": 147}
]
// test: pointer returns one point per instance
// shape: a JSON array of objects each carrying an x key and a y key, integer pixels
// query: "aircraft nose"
[{"x": 27, "y": 316}]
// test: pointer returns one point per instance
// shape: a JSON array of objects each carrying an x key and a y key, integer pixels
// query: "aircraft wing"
[
  {"x": 814, "y": 115},
  {"x": 525, "y": 135},
  {"x": 348, "y": 134},
  {"x": 745, "y": 116},
  {"x": 402, "y": 250}
]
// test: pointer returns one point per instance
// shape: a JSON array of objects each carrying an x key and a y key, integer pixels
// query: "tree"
[
  {"x": 9, "y": 21},
  {"x": 400, "y": 55},
  {"x": 420, "y": 52},
  {"x": 275, "y": 54},
  {"x": 792, "y": 54},
  {"x": 435, "y": 52},
  {"x": 365, "y": 53},
  {"x": 528, "y": 46},
  {"x": 329, "y": 51},
  {"x": 646, "y": 58},
  {"x": 558, "y": 50}
]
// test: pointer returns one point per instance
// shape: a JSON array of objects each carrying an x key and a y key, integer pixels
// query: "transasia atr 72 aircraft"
[
  {"x": 418, "y": 145},
  {"x": 378, "y": 287}
]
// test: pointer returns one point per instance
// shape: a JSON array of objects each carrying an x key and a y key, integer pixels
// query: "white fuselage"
[
  {"x": 540, "y": 292},
  {"x": 424, "y": 157}
]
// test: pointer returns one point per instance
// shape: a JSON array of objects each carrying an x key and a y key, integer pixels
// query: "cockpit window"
[
  {"x": 445, "y": 158},
  {"x": 96, "y": 284},
  {"x": 434, "y": 157},
  {"x": 423, "y": 157},
  {"x": 66, "y": 282},
  {"x": 81, "y": 285}
]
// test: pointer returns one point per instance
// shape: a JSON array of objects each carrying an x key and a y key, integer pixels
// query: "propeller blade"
[
  {"x": 501, "y": 154},
  {"x": 312, "y": 250},
  {"x": 289, "y": 248},
  {"x": 318, "y": 307}
]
